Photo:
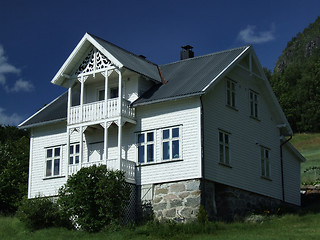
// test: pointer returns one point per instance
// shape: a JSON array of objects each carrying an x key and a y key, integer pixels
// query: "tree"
[{"x": 94, "y": 197}]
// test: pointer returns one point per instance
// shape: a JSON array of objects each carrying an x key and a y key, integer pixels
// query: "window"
[
  {"x": 74, "y": 153},
  {"x": 265, "y": 163},
  {"x": 171, "y": 143},
  {"x": 231, "y": 93},
  {"x": 53, "y": 156},
  {"x": 114, "y": 93},
  {"x": 254, "y": 104},
  {"x": 224, "y": 150},
  {"x": 146, "y": 147}
]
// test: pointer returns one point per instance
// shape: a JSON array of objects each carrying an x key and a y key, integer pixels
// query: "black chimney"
[{"x": 186, "y": 52}]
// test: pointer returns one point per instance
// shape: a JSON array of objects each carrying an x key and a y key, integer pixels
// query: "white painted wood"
[{"x": 246, "y": 137}]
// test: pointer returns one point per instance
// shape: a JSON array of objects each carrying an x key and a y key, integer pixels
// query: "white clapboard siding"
[
  {"x": 42, "y": 138},
  {"x": 185, "y": 113},
  {"x": 246, "y": 137},
  {"x": 291, "y": 168}
]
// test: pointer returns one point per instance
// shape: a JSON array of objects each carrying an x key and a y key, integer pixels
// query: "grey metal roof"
[
  {"x": 53, "y": 112},
  {"x": 190, "y": 76},
  {"x": 184, "y": 78},
  {"x": 130, "y": 60}
]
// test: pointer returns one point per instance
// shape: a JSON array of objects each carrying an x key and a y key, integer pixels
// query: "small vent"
[{"x": 186, "y": 52}]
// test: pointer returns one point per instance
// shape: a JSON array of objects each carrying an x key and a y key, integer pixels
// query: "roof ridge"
[
  {"x": 127, "y": 51},
  {"x": 206, "y": 55}
]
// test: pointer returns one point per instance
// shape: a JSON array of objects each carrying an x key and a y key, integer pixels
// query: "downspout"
[
  {"x": 281, "y": 160},
  {"x": 203, "y": 192}
]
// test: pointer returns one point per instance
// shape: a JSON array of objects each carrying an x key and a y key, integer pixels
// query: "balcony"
[
  {"x": 127, "y": 166},
  {"x": 96, "y": 111}
]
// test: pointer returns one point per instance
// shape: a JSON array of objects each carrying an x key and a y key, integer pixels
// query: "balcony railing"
[
  {"x": 100, "y": 110},
  {"x": 127, "y": 166}
]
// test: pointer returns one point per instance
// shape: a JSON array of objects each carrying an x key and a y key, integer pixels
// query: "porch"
[
  {"x": 101, "y": 110},
  {"x": 127, "y": 166}
]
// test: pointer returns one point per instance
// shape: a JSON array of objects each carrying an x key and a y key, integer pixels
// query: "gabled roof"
[
  {"x": 118, "y": 56},
  {"x": 191, "y": 76}
]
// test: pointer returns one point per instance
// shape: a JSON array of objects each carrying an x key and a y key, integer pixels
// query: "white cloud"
[
  {"x": 249, "y": 35},
  {"x": 12, "y": 120},
  {"x": 7, "y": 68}
]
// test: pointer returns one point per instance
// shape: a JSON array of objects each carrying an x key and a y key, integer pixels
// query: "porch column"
[
  {"x": 66, "y": 164},
  {"x": 81, "y": 147},
  {"x": 106, "y": 93},
  {"x": 81, "y": 98},
  {"x": 119, "y": 142},
  {"x": 120, "y": 92},
  {"x": 105, "y": 141},
  {"x": 69, "y": 100}
]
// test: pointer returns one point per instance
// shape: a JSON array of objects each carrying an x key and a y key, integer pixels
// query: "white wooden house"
[{"x": 185, "y": 133}]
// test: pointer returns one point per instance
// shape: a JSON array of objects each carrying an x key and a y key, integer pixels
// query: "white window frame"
[
  {"x": 170, "y": 140},
  {"x": 53, "y": 158},
  {"x": 231, "y": 97},
  {"x": 254, "y": 104},
  {"x": 224, "y": 148},
  {"x": 75, "y": 154},
  {"x": 145, "y": 144},
  {"x": 265, "y": 162}
]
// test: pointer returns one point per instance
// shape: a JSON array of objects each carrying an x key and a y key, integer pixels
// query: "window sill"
[
  {"x": 225, "y": 165},
  {"x": 232, "y": 108},
  {"x": 53, "y": 177},
  {"x": 155, "y": 163},
  {"x": 266, "y": 178}
]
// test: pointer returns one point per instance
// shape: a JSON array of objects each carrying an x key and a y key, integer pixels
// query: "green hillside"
[
  {"x": 309, "y": 147},
  {"x": 296, "y": 80}
]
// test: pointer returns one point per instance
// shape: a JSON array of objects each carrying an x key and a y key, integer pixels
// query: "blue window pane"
[
  {"x": 141, "y": 154},
  {"x": 49, "y": 168},
  {"x": 175, "y": 149},
  {"x": 57, "y": 152},
  {"x": 71, "y": 160},
  {"x": 56, "y": 166},
  {"x": 165, "y": 134},
  {"x": 77, "y": 148},
  {"x": 166, "y": 150},
  {"x": 140, "y": 138},
  {"x": 77, "y": 159},
  {"x": 150, "y": 137},
  {"x": 49, "y": 153},
  {"x": 150, "y": 153},
  {"x": 71, "y": 149},
  {"x": 175, "y": 132}
]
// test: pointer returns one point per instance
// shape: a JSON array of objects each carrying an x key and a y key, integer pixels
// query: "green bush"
[
  {"x": 94, "y": 198},
  {"x": 202, "y": 215},
  {"x": 39, "y": 213}
]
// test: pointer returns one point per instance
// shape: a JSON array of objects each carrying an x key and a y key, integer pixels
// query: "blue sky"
[{"x": 36, "y": 37}]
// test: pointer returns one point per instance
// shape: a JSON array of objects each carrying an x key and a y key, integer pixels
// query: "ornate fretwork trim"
[{"x": 93, "y": 62}]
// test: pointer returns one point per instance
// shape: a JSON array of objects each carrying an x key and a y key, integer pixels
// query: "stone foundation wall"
[
  {"x": 233, "y": 203},
  {"x": 178, "y": 201}
]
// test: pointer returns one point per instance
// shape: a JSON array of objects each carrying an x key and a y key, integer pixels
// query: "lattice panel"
[
  {"x": 130, "y": 210},
  {"x": 94, "y": 61}
]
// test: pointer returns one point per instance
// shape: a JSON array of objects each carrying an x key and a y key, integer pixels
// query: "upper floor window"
[
  {"x": 224, "y": 150},
  {"x": 53, "y": 157},
  {"x": 74, "y": 153},
  {"x": 171, "y": 139},
  {"x": 146, "y": 147},
  {"x": 114, "y": 93},
  {"x": 254, "y": 104},
  {"x": 265, "y": 162},
  {"x": 231, "y": 93}
]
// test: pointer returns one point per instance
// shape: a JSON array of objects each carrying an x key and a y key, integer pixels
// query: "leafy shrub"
[
  {"x": 94, "y": 197},
  {"x": 202, "y": 215},
  {"x": 38, "y": 213}
]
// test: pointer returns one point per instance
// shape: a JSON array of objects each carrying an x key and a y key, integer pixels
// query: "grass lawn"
[
  {"x": 309, "y": 147},
  {"x": 285, "y": 227}
]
